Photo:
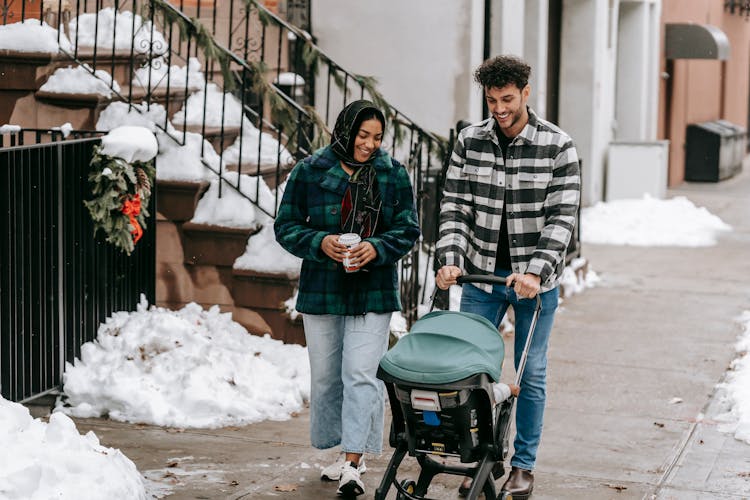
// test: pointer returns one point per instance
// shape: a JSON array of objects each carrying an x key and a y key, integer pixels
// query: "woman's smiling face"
[{"x": 367, "y": 140}]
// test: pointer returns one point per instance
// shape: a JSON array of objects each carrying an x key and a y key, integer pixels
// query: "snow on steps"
[
  {"x": 194, "y": 264},
  {"x": 24, "y": 73}
]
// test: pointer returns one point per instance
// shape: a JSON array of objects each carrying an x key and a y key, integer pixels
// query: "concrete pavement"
[{"x": 660, "y": 325}]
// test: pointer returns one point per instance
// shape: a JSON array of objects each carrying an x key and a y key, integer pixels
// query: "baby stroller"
[{"x": 439, "y": 380}]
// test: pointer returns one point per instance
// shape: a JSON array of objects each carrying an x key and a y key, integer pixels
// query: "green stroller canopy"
[{"x": 446, "y": 346}]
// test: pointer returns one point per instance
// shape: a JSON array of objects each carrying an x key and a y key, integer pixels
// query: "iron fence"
[{"x": 58, "y": 282}]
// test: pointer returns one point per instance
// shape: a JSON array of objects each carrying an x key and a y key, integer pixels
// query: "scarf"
[{"x": 360, "y": 206}]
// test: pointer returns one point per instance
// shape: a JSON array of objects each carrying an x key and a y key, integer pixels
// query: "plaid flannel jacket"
[
  {"x": 311, "y": 209},
  {"x": 541, "y": 173}
]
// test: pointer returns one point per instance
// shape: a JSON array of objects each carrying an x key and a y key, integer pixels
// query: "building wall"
[
  {"x": 703, "y": 90},
  {"x": 527, "y": 39},
  {"x": 587, "y": 86},
  {"x": 422, "y": 52}
]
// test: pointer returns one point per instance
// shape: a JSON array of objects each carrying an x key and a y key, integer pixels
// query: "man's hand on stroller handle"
[
  {"x": 526, "y": 286},
  {"x": 447, "y": 276}
]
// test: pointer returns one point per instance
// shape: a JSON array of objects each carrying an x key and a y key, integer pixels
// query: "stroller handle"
[{"x": 490, "y": 279}]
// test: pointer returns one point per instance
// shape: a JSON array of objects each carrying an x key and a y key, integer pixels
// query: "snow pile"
[
  {"x": 158, "y": 74},
  {"x": 183, "y": 162},
  {"x": 66, "y": 128},
  {"x": 130, "y": 143},
  {"x": 42, "y": 460},
  {"x": 576, "y": 277},
  {"x": 265, "y": 255},
  {"x": 736, "y": 388},
  {"x": 187, "y": 368},
  {"x": 118, "y": 29},
  {"x": 80, "y": 80},
  {"x": 254, "y": 148},
  {"x": 10, "y": 129},
  {"x": 218, "y": 105},
  {"x": 651, "y": 222},
  {"x": 233, "y": 209},
  {"x": 30, "y": 36},
  {"x": 141, "y": 115}
]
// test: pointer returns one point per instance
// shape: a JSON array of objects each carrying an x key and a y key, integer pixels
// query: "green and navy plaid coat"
[{"x": 311, "y": 209}]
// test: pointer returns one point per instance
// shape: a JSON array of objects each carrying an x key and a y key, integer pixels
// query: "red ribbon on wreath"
[{"x": 132, "y": 208}]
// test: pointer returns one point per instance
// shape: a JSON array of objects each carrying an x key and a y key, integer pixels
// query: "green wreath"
[{"x": 121, "y": 192}]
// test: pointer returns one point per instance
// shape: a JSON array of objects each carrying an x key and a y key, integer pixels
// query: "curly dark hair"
[{"x": 501, "y": 71}]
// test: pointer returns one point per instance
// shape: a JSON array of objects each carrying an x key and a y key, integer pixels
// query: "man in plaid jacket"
[{"x": 509, "y": 206}]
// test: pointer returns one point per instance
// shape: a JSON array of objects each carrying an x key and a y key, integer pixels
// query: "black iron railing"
[
  {"x": 288, "y": 92},
  {"x": 58, "y": 282}
]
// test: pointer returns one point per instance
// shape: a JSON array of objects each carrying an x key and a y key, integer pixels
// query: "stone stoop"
[
  {"x": 22, "y": 103},
  {"x": 268, "y": 172},
  {"x": 194, "y": 261},
  {"x": 214, "y": 245},
  {"x": 52, "y": 109},
  {"x": 88, "y": 107},
  {"x": 209, "y": 254},
  {"x": 177, "y": 199},
  {"x": 118, "y": 64},
  {"x": 266, "y": 294},
  {"x": 218, "y": 138},
  {"x": 22, "y": 75},
  {"x": 194, "y": 264},
  {"x": 177, "y": 284},
  {"x": 25, "y": 70}
]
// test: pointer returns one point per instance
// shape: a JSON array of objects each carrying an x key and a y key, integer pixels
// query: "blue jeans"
[
  {"x": 347, "y": 400},
  {"x": 531, "y": 400}
]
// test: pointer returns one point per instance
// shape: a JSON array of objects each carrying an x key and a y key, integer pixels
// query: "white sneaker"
[
  {"x": 350, "y": 485},
  {"x": 333, "y": 471}
]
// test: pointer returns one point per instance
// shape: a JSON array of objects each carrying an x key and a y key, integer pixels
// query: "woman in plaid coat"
[{"x": 350, "y": 186}]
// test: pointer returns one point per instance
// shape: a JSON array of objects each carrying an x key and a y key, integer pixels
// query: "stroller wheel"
[
  {"x": 504, "y": 495},
  {"x": 409, "y": 486}
]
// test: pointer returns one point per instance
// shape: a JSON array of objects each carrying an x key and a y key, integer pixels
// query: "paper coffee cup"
[{"x": 351, "y": 240}]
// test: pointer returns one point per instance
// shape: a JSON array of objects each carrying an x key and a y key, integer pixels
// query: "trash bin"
[
  {"x": 739, "y": 143},
  {"x": 714, "y": 150}
]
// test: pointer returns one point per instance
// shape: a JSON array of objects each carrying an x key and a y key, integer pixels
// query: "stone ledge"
[
  {"x": 283, "y": 327},
  {"x": 214, "y": 245},
  {"x": 268, "y": 172},
  {"x": 176, "y": 200},
  {"x": 220, "y": 140},
  {"x": 261, "y": 290},
  {"x": 24, "y": 70}
]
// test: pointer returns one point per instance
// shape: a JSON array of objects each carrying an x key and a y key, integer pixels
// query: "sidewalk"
[{"x": 660, "y": 325}]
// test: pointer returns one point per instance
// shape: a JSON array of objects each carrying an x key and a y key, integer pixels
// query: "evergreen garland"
[{"x": 114, "y": 183}]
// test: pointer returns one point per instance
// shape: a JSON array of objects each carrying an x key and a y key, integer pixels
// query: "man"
[{"x": 509, "y": 207}]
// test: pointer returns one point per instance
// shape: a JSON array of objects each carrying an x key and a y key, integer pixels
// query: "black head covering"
[{"x": 347, "y": 127}]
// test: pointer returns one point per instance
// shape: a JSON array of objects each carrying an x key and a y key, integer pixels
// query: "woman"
[{"x": 350, "y": 186}]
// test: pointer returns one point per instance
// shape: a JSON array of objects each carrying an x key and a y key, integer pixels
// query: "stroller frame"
[{"x": 489, "y": 455}]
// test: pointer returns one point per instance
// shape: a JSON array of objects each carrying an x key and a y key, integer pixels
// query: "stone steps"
[
  {"x": 194, "y": 261},
  {"x": 23, "y": 103},
  {"x": 195, "y": 264}
]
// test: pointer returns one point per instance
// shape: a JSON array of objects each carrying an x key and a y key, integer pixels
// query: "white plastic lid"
[{"x": 349, "y": 239}]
